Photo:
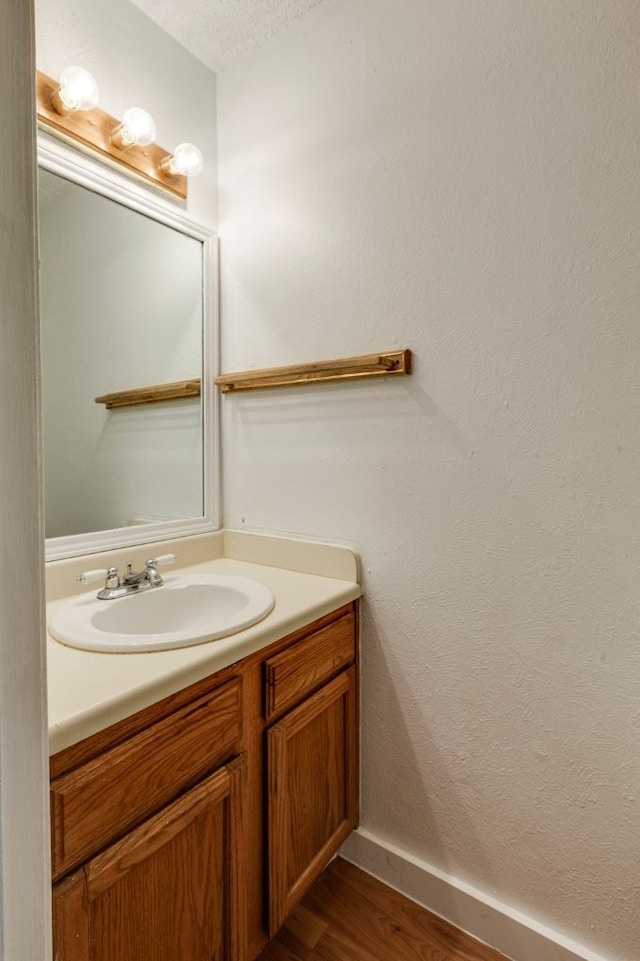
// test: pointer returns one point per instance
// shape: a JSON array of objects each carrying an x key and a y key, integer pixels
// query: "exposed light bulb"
[
  {"x": 77, "y": 91},
  {"x": 137, "y": 128},
  {"x": 186, "y": 161}
]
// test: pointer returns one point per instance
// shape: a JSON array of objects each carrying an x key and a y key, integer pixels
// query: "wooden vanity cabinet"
[
  {"x": 148, "y": 817},
  {"x": 312, "y": 760},
  {"x": 102, "y": 798},
  {"x": 165, "y": 891},
  {"x": 312, "y": 791},
  {"x": 192, "y": 828}
]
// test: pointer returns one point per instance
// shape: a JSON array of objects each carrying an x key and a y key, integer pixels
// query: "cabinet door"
[
  {"x": 168, "y": 890},
  {"x": 312, "y": 760},
  {"x": 100, "y": 801}
]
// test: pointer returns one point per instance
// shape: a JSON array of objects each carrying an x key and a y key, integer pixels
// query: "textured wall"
[{"x": 461, "y": 178}]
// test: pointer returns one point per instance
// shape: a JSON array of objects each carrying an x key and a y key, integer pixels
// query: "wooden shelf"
[
  {"x": 151, "y": 395},
  {"x": 387, "y": 364}
]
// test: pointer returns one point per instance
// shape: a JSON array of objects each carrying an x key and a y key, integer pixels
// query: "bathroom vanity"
[
  {"x": 190, "y": 827},
  {"x": 196, "y": 792}
]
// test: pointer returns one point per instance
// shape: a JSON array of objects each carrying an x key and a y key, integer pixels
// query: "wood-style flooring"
[{"x": 350, "y": 916}]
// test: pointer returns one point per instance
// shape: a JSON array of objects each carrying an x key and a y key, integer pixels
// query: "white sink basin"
[{"x": 187, "y": 609}]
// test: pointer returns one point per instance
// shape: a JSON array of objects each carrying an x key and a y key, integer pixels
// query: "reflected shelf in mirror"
[{"x": 151, "y": 395}]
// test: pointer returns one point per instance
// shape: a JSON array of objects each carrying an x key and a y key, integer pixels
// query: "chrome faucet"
[
  {"x": 149, "y": 577},
  {"x": 132, "y": 582}
]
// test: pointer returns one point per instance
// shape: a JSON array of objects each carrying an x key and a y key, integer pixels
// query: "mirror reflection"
[{"x": 121, "y": 305}]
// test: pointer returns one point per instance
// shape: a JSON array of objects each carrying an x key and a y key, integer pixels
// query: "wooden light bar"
[
  {"x": 390, "y": 363},
  {"x": 91, "y": 130},
  {"x": 151, "y": 395}
]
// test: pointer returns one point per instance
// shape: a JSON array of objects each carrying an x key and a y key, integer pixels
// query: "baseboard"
[{"x": 516, "y": 935}]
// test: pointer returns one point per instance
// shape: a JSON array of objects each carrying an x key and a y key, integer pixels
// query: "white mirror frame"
[{"x": 73, "y": 166}]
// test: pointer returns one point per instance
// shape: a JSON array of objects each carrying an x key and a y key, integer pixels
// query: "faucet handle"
[
  {"x": 111, "y": 576},
  {"x": 88, "y": 577},
  {"x": 163, "y": 559}
]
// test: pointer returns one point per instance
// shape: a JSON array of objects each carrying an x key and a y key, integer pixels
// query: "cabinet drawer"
[
  {"x": 304, "y": 666},
  {"x": 98, "y": 802}
]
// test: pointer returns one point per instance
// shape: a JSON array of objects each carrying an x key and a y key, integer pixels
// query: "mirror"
[{"x": 125, "y": 314}]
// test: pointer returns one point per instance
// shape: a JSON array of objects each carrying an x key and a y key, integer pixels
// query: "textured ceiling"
[{"x": 219, "y": 31}]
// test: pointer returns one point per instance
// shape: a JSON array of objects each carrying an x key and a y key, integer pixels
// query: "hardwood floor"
[{"x": 350, "y": 916}]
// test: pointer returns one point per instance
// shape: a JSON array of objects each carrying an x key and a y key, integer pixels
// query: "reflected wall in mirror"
[{"x": 123, "y": 305}]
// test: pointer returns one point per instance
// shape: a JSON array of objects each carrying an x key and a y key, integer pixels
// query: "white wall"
[
  {"x": 24, "y": 843},
  {"x": 460, "y": 178}
]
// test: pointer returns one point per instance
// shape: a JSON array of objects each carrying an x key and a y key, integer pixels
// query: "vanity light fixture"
[
  {"x": 186, "y": 161},
  {"x": 138, "y": 129},
  {"x": 77, "y": 91},
  {"x": 69, "y": 110}
]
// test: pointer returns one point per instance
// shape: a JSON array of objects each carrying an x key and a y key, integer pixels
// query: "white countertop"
[{"x": 88, "y": 691}]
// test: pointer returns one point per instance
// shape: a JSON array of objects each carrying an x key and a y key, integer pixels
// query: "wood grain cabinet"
[
  {"x": 312, "y": 791},
  {"x": 312, "y": 758},
  {"x": 191, "y": 829},
  {"x": 165, "y": 891}
]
